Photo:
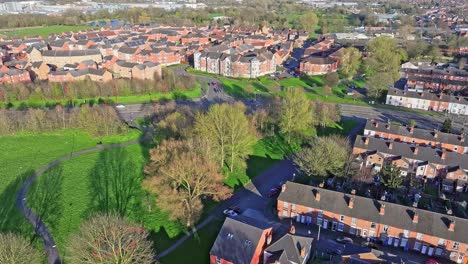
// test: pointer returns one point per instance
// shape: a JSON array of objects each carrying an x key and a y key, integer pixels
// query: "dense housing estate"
[
  {"x": 409, "y": 228},
  {"x": 423, "y": 153}
]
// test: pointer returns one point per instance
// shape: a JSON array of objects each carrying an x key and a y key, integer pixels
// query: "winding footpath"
[{"x": 52, "y": 253}]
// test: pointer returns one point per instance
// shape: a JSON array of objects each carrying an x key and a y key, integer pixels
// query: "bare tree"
[
  {"x": 110, "y": 239},
  {"x": 182, "y": 178},
  {"x": 15, "y": 249}
]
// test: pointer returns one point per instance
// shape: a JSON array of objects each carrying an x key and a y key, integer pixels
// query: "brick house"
[
  {"x": 409, "y": 228},
  {"x": 61, "y": 57},
  {"x": 421, "y": 161},
  {"x": 241, "y": 240},
  {"x": 427, "y": 101},
  {"x": 289, "y": 248},
  {"x": 39, "y": 71},
  {"x": 59, "y": 45},
  {"x": 412, "y": 135},
  {"x": 146, "y": 71},
  {"x": 14, "y": 76},
  {"x": 315, "y": 65},
  {"x": 33, "y": 54},
  {"x": 96, "y": 75}
]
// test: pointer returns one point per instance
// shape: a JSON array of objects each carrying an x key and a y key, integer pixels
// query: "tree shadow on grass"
[
  {"x": 45, "y": 196},
  {"x": 115, "y": 183},
  {"x": 11, "y": 219}
]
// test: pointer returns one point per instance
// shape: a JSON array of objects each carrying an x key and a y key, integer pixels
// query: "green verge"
[
  {"x": 130, "y": 99},
  {"x": 44, "y": 31}
]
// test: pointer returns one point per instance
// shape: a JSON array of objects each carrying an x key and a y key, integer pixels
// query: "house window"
[
  {"x": 342, "y": 218},
  {"x": 285, "y": 212},
  {"x": 285, "y": 204},
  {"x": 293, "y": 207},
  {"x": 352, "y": 230},
  {"x": 456, "y": 245},
  {"x": 417, "y": 246},
  {"x": 340, "y": 227},
  {"x": 372, "y": 225},
  {"x": 353, "y": 221},
  {"x": 385, "y": 228},
  {"x": 218, "y": 260},
  {"x": 419, "y": 236}
]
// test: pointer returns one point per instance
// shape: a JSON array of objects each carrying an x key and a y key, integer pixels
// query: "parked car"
[
  {"x": 344, "y": 240},
  {"x": 235, "y": 209},
  {"x": 120, "y": 106},
  {"x": 230, "y": 212},
  {"x": 273, "y": 191},
  {"x": 371, "y": 245},
  {"x": 334, "y": 251}
]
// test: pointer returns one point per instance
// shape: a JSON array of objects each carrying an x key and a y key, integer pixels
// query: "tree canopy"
[
  {"x": 15, "y": 249},
  {"x": 295, "y": 117}
]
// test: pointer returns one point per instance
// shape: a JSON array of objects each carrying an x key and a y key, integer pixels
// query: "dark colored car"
[
  {"x": 334, "y": 251},
  {"x": 235, "y": 209},
  {"x": 273, "y": 191}
]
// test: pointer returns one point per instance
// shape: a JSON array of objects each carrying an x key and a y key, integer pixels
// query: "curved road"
[{"x": 53, "y": 255}]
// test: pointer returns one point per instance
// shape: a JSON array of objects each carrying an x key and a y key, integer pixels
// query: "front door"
[
  {"x": 364, "y": 233},
  {"x": 303, "y": 219},
  {"x": 424, "y": 249},
  {"x": 397, "y": 241},
  {"x": 358, "y": 232},
  {"x": 325, "y": 224},
  {"x": 334, "y": 226},
  {"x": 431, "y": 251},
  {"x": 390, "y": 241}
]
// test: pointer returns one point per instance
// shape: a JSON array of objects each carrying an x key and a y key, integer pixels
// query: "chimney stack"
[
  {"x": 411, "y": 129},
  {"x": 443, "y": 154},
  {"x": 382, "y": 209},
  {"x": 366, "y": 140},
  {"x": 353, "y": 191},
  {"x": 283, "y": 187},
  {"x": 317, "y": 195},
  {"x": 462, "y": 138},
  {"x": 452, "y": 226},
  {"x": 415, "y": 218},
  {"x": 416, "y": 150},
  {"x": 449, "y": 211},
  {"x": 376, "y": 124},
  {"x": 436, "y": 133},
  {"x": 351, "y": 202},
  {"x": 303, "y": 252},
  {"x": 292, "y": 230}
]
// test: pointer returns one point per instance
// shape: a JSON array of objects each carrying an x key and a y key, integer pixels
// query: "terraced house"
[{"x": 409, "y": 228}]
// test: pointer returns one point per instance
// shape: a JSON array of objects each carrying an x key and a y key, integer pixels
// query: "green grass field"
[
  {"x": 24, "y": 153},
  {"x": 44, "y": 31}
]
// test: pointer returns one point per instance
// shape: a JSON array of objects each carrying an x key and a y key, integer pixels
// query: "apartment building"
[
  {"x": 61, "y": 57},
  {"x": 409, "y": 228},
  {"x": 427, "y": 101}
]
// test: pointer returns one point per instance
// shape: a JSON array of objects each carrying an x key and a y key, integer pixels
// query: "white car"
[
  {"x": 120, "y": 106},
  {"x": 229, "y": 212}
]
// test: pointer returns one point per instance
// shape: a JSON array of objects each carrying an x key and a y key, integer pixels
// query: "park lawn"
[
  {"x": 22, "y": 154},
  {"x": 43, "y": 31},
  {"x": 342, "y": 128},
  {"x": 196, "y": 249}
]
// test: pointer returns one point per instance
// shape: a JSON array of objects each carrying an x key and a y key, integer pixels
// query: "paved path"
[{"x": 52, "y": 253}]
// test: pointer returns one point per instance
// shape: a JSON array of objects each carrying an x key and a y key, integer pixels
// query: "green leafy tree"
[
  {"x": 377, "y": 84},
  {"x": 412, "y": 123},
  {"x": 391, "y": 177},
  {"x": 331, "y": 79},
  {"x": 227, "y": 130},
  {"x": 352, "y": 59},
  {"x": 385, "y": 57},
  {"x": 295, "y": 117},
  {"x": 447, "y": 125},
  {"x": 325, "y": 156},
  {"x": 308, "y": 22}
]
